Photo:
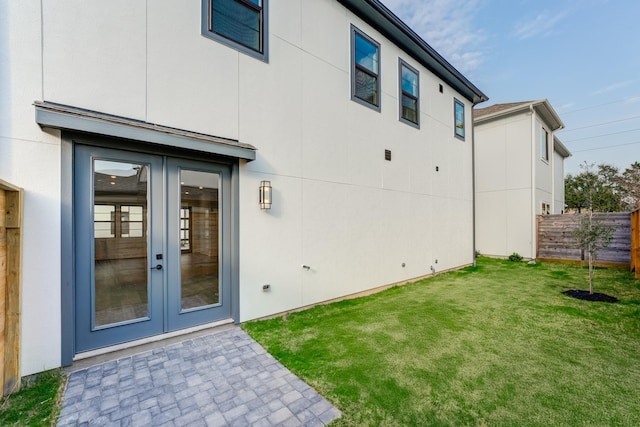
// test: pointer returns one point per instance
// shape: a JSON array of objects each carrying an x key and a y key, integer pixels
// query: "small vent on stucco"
[{"x": 387, "y": 155}]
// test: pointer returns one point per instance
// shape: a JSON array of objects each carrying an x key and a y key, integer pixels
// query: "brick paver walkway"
[{"x": 222, "y": 379}]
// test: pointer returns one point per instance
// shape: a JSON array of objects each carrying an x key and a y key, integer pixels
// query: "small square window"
[
  {"x": 458, "y": 113},
  {"x": 365, "y": 69},
  {"x": 409, "y": 94},
  {"x": 546, "y": 208},
  {"x": 240, "y": 24}
]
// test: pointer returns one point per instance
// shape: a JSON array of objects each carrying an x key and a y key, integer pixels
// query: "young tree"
[{"x": 592, "y": 234}]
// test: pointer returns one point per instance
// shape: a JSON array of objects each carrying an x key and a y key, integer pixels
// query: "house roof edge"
[{"x": 386, "y": 22}]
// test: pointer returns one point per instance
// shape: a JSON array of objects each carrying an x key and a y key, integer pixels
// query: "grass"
[
  {"x": 36, "y": 404},
  {"x": 497, "y": 344}
]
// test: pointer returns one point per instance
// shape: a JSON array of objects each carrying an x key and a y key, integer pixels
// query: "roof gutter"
[{"x": 542, "y": 107}]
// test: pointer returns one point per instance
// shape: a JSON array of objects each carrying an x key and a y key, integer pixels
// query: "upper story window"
[
  {"x": 365, "y": 69},
  {"x": 409, "y": 94},
  {"x": 544, "y": 145},
  {"x": 458, "y": 114},
  {"x": 240, "y": 24}
]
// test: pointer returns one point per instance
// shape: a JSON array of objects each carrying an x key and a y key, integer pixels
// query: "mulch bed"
[{"x": 585, "y": 295}]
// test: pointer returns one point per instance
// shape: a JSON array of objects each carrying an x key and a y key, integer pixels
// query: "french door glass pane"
[
  {"x": 120, "y": 258},
  {"x": 199, "y": 238}
]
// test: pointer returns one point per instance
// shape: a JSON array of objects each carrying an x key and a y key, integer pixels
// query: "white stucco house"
[
  {"x": 187, "y": 164},
  {"x": 519, "y": 170}
]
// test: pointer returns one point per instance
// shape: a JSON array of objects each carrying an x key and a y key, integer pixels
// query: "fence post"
[
  {"x": 635, "y": 242},
  {"x": 11, "y": 219}
]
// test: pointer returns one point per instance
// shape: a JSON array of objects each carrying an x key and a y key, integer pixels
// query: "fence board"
[
  {"x": 556, "y": 240},
  {"x": 11, "y": 219},
  {"x": 635, "y": 242}
]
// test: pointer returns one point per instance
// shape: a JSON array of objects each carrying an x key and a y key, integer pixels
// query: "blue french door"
[
  {"x": 198, "y": 270},
  {"x": 149, "y": 253}
]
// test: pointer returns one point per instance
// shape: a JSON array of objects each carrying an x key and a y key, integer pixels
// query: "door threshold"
[{"x": 118, "y": 351}]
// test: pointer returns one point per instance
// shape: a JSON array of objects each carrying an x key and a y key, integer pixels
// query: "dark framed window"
[
  {"x": 240, "y": 24},
  {"x": 544, "y": 145},
  {"x": 458, "y": 115},
  {"x": 409, "y": 94},
  {"x": 365, "y": 69}
]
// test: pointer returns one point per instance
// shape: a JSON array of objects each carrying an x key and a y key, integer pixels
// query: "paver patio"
[{"x": 221, "y": 379}]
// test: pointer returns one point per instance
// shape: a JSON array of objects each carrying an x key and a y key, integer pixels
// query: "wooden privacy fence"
[
  {"x": 635, "y": 242},
  {"x": 11, "y": 201},
  {"x": 556, "y": 240}
]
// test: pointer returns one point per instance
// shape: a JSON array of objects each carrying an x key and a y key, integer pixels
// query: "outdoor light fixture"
[{"x": 265, "y": 195}]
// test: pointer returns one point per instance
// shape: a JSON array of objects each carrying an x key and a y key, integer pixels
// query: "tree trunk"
[{"x": 590, "y": 273}]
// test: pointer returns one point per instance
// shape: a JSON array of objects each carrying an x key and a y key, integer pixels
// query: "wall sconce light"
[{"x": 265, "y": 195}]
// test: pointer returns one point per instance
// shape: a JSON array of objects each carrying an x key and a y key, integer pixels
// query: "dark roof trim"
[
  {"x": 59, "y": 116},
  {"x": 383, "y": 20}
]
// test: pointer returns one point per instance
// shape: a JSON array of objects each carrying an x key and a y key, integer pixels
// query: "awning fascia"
[{"x": 59, "y": 116}]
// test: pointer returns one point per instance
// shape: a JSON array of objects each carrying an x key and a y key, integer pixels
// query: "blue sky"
[{"x": 583, "y": 56}]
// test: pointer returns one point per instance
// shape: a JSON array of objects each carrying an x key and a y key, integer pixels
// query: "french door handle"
[{"x": 157, "y": 267}]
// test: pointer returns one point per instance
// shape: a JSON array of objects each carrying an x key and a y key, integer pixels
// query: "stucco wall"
[
  {"x": 544, "y": 168},
  {"x": 30, "y": 158},
  {"x": 512, "y": 182},
  {"x": 339, "y": 207},
  {"x": 558, "y": 183},
  {"x": 504, "y": 218}
]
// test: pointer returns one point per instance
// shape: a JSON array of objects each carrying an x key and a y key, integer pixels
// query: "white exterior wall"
[
  {"x": 544, "y": 168},
  {"x": 338, "y": 207},
  {"x": 504, "y": 219},
  {"x": 512, "y": 182},
  {"x": 30, "y": 158},
  {"x": 558, "y": 183}
]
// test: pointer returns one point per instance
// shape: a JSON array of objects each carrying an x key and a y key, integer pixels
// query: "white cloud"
[
  {"x": 446, "y": 26},
  {"x": 541, "y": 25},
  {"x": 613, "y": 87}
]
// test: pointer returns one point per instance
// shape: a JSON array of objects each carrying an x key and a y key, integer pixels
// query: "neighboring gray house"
[
  {"x": 519, "y": 172},
  {"x": 143, "y": 132}
]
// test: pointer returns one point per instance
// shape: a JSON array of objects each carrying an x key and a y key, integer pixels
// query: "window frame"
[
  {"x": 126, "y": 223},
  {"x": 401, "y": 94},
  {"x": 457, "y": 103},
  {"x": 356, "y": 31},
  {"x": 544, "y": 145},
  {"x": 207, "y": 29},
  {"x": 545, "y": 208},
  {"x": 188, "y": 228}
]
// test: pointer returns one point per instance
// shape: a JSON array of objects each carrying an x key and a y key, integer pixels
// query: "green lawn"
[
  {"x": 36, "y": 404},
  {"x": 497, "y": 344}
]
